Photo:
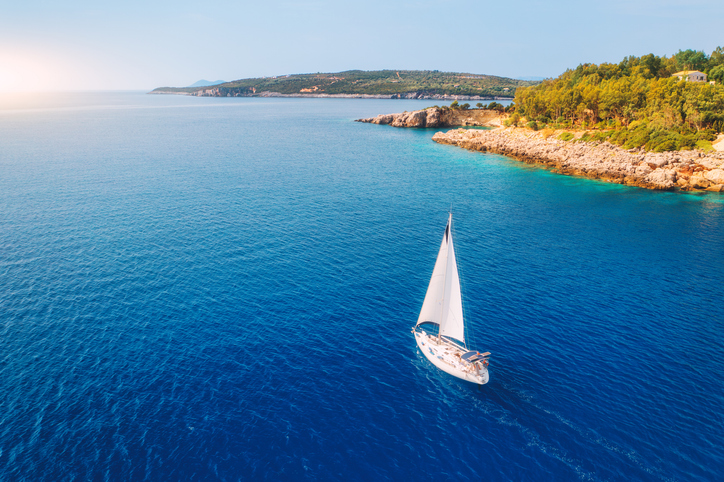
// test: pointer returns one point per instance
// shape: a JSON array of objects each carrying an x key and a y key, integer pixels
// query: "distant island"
[
  {"x": 408, "y": 84},
  {"x": 206, "y": 83}
]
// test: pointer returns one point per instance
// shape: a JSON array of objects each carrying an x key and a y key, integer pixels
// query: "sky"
[{"x": 140, "y": 45}]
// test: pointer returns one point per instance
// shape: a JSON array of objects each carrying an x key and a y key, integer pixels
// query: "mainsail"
[{"x": 443, "y": 304}]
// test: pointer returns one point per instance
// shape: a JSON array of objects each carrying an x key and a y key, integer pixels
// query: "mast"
[{"x": 448, "y": 278}]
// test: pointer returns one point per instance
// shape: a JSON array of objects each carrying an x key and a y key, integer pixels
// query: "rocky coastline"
[
  {"x": 679, "y": 170},
  {"x": 439, "y": 117}
]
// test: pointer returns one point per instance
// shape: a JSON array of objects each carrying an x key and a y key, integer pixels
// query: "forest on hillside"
[{"x": 635, "y": 103}]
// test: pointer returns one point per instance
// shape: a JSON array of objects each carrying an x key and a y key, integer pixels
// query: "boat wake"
[{"x": 546, "y": 430}]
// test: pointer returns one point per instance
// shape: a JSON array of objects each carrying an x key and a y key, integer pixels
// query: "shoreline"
[
  {"x": 407, "y": 95},
  {"x": 669, "y": 171}
]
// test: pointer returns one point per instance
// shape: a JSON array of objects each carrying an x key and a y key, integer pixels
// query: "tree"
[
  {"x": 479, "y": 105},
  {"x": 454, "y": 104},
  {"x": 690, "y": 59},
  {"x": 717, "y": 73},
  {"x": 716, "y": 58},
  {"x": 653, "y": 65}
]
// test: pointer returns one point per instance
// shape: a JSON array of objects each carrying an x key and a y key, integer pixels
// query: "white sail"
[
  {"x": 432, "y": 306},
  {"x": 452, "y": 325},
  {"x": 443, "y": 304}
]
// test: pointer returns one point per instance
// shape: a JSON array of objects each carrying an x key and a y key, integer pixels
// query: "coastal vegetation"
[
  {"x": 637, "y": 103},
  {"x": 379, "y": 82},
  {"x": 455, "y": 105}
]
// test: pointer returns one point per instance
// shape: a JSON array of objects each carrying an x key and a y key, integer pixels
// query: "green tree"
[
  {"x": 716, "y": 58},
  {"x": 653, "y": 65},
  {"x": 717, "y": 73},
  {"x": 691, "y": 60}
]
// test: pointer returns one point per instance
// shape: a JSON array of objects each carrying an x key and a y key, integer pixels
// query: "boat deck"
[{"x": 447, "y": 356}]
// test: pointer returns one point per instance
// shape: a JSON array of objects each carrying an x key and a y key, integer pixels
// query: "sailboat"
[{"x": 440, "y": 329}]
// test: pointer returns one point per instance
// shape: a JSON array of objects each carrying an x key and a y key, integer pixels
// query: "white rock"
[
  {"x": 658, "y": 161},
  {"x": 715, "y": 175},
  {"x": 642, "y": 169},
  {"x": 664, "y": 177}
]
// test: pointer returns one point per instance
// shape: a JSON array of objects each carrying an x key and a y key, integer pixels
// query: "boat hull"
[{"x": 443, "y": 356}]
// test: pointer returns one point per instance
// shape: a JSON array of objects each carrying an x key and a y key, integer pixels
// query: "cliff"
[
  {"x": 684, "y": 170},
  {"x": 438, "y": 117}
]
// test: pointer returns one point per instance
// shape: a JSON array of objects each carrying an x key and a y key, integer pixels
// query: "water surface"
[{"x": 223, "y": 289}]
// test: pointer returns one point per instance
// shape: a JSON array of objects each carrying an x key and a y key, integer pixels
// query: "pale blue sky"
[{"x": 79, "y": 45}]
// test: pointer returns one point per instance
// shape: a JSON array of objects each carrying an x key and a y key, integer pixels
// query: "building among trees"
[{"x": 691, "y": 76}]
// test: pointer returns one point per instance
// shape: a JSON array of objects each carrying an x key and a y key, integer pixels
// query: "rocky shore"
[
  {"x": 437, "y": 117},
  {"x": 683, "y": 170}
]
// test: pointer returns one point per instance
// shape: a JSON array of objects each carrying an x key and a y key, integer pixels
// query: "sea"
[{"x": 198, "y": 289}]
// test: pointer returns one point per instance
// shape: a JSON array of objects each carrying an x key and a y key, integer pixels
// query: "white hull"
[{"x": 446, "y": 357}]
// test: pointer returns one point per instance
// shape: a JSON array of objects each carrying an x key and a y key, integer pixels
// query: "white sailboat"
[{"x": 440, "y": 329}]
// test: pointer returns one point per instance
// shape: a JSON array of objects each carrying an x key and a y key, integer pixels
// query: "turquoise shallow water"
[{"x": 223, "y": 289}]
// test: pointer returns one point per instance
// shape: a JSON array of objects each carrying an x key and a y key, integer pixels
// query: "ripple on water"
[{"x": 183, "y": 299}]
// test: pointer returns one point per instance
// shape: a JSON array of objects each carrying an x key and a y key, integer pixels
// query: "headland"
[
  {"x": 684, "y": 170},
  {"x": 440, "y": 117},
  {"x": 377, "y": 84}
]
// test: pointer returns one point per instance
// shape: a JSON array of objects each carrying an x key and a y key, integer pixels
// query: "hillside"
[
  {"x": 639, "y": 102},
  {"x": 388, "y": 83}
]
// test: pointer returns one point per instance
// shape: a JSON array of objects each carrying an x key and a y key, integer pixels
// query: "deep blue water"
[{"x": 223, "y": 289}]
